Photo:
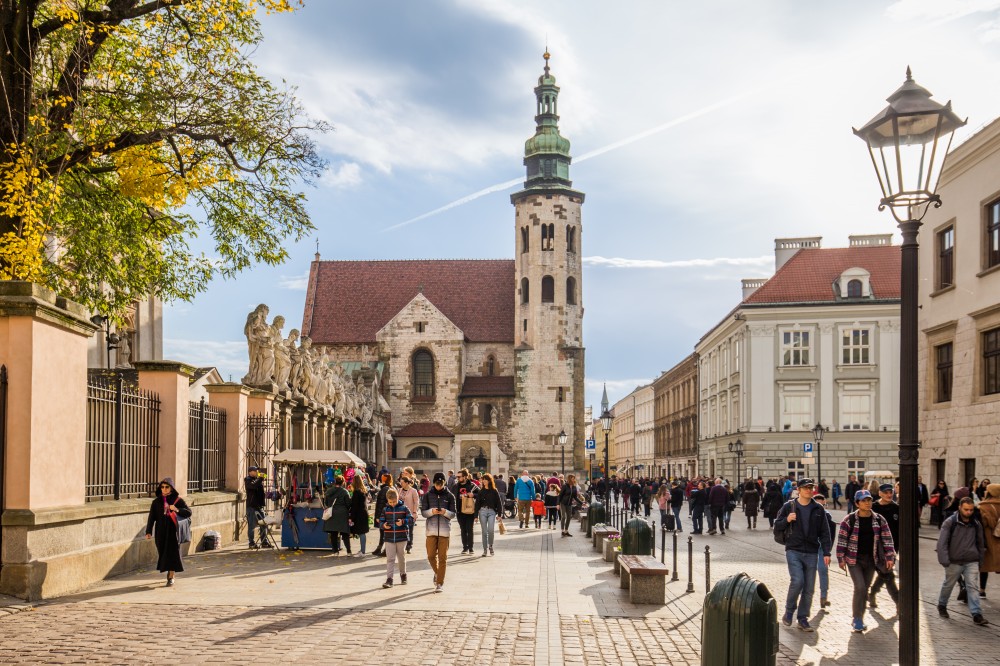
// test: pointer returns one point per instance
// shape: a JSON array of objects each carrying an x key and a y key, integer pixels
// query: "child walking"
[
  {"x": 538, "y": 509},
  {"x": 552, "y": 505},
  {"x": 395, "y": 524}
]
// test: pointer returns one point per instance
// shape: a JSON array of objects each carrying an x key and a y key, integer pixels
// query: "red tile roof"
[
  {"x": 809, "y": 275},
  {"x": 350, "y": 301},
  {"x": 488, "y": 386},
  {"x": 427, "y": 429}
]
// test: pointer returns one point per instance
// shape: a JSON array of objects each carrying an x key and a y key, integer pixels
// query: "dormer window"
[{"x": 854, "y": 283}]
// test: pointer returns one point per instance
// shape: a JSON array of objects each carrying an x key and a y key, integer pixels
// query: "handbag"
[
  {"x": 183, "y": 530},
  {"x": 328, "y": 511},
  {"x": 934, "y": 500},
  {"x": 468, "y": 504}
]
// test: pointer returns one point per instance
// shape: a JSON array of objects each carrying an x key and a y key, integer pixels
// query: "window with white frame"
[
  {"x": 857, "y": 468},
  {"x": 736, "y": 355},
  {"x": 856, "y": 346},
  {"x": 725, "y": 361},
  {"x": 796, "y": 412},
  {"x": 796, "y": 469},
  {"x": 795, "y": 348},
  {"x": 855, "y": 411}
]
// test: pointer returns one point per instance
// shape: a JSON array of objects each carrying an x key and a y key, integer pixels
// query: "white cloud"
[
  {"x": 344, "y": 176},
  {"x": 938, "y": 9},
  {"x": 618, "y": 262},
  {"x": 229, "y": 356},
  {"x": 294, "y": 282}
]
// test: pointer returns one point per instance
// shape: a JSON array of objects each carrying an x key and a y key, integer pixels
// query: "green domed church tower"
[{"x": 549, "y": 323}]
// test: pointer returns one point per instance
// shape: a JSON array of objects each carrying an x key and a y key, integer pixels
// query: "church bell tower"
[{"x": 548, "y": 334}]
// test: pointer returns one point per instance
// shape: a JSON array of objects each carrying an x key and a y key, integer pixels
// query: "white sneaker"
[{"x": 437, "y": 587}]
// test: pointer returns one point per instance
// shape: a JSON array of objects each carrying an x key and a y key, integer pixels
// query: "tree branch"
[{"x": 126, "y": 11}]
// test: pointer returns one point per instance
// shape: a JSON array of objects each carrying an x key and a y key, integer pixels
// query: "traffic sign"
[
  {"x": 591, "y": 445},
  {"x": 807, "y": 461},
  {"x": 807, "y": 447}
]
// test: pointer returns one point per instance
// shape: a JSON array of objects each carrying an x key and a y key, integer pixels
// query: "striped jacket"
[
  {"x": 387, "y": 523},
  {"x": 847, "y": 541}
]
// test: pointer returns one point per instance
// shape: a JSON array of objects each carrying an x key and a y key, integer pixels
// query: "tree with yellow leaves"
[{"x": 128, "y": 127}]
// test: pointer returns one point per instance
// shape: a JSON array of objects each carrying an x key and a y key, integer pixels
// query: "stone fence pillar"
[
  {"x": 234, "y": 399},
  {"x": 171, "y": 381}
]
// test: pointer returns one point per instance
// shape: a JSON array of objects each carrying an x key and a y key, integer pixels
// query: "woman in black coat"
[
  {"x": 338, "y": 500},
  {"x": 751, "y": 503},
  {"x": 772, "y": 503},
  {"x": 164, "y": 512},
  {"x": 939, "y": 505},
  {"x": 359, "y": 512}
]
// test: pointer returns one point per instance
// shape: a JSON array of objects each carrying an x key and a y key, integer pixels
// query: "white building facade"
[{"x": 645, "y": 447}]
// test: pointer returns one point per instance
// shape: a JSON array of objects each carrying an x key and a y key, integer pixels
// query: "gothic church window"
[
  {"x": 570, "y": 239},
  {"x": 570, "y": 291},
  {"x": 491, "y": 365},
  {"x": 524, "y": 239},
  {"x": 524, "y": 290},
  {"x": 548, "y": 289},
  {"x": 548, "y": 237},
  {"x": 423, "y": 374}
]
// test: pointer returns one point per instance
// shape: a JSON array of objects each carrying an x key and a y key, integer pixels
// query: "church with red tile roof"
[{"x": 481, "y": 361}]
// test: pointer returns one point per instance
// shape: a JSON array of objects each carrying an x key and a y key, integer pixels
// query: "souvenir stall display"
[{"x": 303, "y": 477}]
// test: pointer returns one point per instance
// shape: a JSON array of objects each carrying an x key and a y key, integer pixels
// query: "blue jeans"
[
  {"x": 487, "y": 521},
  {"x": 802, "y": 571},
  {"x": 824, "y": 575},
  {"x": 255, "y": 522},
  {"x": 677, "y": 518},
  {"x": 970, "y": 572}
]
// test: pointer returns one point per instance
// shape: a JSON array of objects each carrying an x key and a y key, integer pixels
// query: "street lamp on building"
[
  {"x": 817, "y": 438},
  {"x": 737, "y": 448},
  {"x": 562, "y": 447},
  {"x": 606, "y": 420},
  {"x": 628, "y": 470},
  {"x": 908, "y": 142},
  {"x": 111, "y": 339}
]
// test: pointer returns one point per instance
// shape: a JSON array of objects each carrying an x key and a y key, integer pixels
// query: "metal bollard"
[
  {"x": 652, "y": 539},
  {"x": 663, "y": 546},
  {"x": 690, "y": 564},
  {"x": 673, "y": 578},
  {"x": 708, "y": 568}
]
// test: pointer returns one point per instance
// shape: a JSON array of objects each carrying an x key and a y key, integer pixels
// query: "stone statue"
[
  {"x": 304, "y": 379},
  {"x": 474, "y": 414},
  {"x": 254, "y": 330},
  {"x": 279, "y": 353},
  {"x": 285, "y": 358},
  {"x": 493, "y": 416},
  {"x": 124, "y": 351},
  {"x": 367, "y": 403}
]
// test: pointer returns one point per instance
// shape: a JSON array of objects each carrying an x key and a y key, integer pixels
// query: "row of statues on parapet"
[{"x": 293, "y": 365}]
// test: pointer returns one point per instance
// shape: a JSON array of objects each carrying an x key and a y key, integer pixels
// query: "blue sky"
[{"x": 700, "y": 131}]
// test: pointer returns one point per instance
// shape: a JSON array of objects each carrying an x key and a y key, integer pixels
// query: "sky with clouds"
[{"x": 700, "y": 131}]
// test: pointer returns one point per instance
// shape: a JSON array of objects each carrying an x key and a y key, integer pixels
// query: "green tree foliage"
[{"x": 129, "y": 127}]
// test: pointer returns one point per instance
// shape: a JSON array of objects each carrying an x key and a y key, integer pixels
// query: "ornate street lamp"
[
  {"x": 908, "y": 142},
  {"x": 817, "y": 438},
  {"x": 606, "y": 420},
  {"x": 562, "y": 447},
  {"x": 110, "y": 338},
  {"x": 737, "y": 448}
]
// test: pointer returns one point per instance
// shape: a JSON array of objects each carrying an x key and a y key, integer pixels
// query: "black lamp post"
[
  {"x": 909, "y": 142},
  {"x": 606, "y": 420},
  {"x": 628, "y": 470},
  {"x": 562, "y": 447},
  {"x": 110, "y": 338},
  {"x": 737, "y": 448},
  {"x": 817, "y": 438}
]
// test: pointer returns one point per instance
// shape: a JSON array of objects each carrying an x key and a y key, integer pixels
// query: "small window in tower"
[
  {"x": 570, "y": 239},
  {"x": 524, "y": 325},
  {"x": 420, "y": 326},
  {"x": 525, "y": 235},
  {"x": 546, "y": 238},
  {"x": 570, "y": 291},
  {"x": 560, "y": 394},
  {"x": 547, "y": 168},
  {"x": 524, "y": 290},
  {"x": 548, "y": 289}
]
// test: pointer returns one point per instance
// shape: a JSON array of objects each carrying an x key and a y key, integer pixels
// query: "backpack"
[{"x": 781, "y": 536}]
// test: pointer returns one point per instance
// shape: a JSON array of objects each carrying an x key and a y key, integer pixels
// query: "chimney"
[
  {"x": 784, "y": 248},
  {"x": 751, "y": 285},
  {"x": 870, "y": 240}
]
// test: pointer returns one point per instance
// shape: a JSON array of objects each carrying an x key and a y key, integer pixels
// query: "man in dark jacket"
[
  {"x": 676, "y": 502},
  {"x": 889, "y": 510},
  {"x": 466, "y": 521},
  {"x": 254, "y": 487},
  {"x": 438, "y": 507},
  {"x": 961, "y": 547},
  {"x": 718, "y": 496},
  {"x": 696, "y": 507},
  {"x": 806, "y": 531},
  {"x": 850, "y": 489}
]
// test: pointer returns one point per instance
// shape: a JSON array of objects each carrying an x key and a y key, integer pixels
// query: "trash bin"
[
  {"x": 637, "y": 538},
  {"x": 739, "y": 624},
  {"x": 595, "y": 515}
]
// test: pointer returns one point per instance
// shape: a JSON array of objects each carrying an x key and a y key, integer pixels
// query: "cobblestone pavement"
[{"x": 542, "y": 600}]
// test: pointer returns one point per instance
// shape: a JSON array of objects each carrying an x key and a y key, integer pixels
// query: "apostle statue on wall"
[{"x": 258, "y": 334}]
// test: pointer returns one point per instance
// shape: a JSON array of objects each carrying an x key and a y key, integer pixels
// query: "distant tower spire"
[
  {"x": 604, "y": 399},
  {"x": 317, "y": 249}
]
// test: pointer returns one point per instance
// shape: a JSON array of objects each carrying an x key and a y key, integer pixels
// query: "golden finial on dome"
[{"x": 546, "y": 55}]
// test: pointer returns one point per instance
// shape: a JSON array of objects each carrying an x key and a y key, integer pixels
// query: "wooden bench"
[
  {"x": 645, "y": 578},
  {"x": 598, "y": 536}
]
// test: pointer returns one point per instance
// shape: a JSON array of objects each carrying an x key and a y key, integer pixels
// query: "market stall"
[{"x": 303, "y": 477}]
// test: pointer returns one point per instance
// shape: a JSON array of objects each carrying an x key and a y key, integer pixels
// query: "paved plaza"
[{"x": 542, "y": 599}]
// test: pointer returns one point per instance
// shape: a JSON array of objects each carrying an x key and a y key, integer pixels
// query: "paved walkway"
[{"x": 542, "y": 600}]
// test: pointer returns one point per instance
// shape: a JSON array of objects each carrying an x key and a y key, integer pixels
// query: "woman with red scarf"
[{"x": 166, "y": 509}]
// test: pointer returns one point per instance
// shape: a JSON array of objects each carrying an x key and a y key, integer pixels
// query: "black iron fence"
[
  {"x": 206, "y": 447},
  {"x": 264, "y": 435},
  {"x": 123, "y": 440}
]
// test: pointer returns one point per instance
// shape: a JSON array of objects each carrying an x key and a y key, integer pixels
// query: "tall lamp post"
[
  {"x": 111, "y": 339},
  {"x": 817, "y": 439},
  {"x": 562, "y": 447},
  {"x": 737, "y": 448},
  {"x": 606, "y": 420},
  {"x": 908, "y": 142}
]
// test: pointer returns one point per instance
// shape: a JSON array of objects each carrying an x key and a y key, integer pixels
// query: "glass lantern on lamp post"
[
  {"x": 908, "y": 142},
  {"x": 817, "y": 438},
  {"x": 562, "y": 447}
]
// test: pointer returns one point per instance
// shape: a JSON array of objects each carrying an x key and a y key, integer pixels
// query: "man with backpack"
[
  {"x": 801, "y": 526},
  {"x": 961, "y": 547},
  {"x": 864, "y": 546},
  {"x": 889, "y": 510}
]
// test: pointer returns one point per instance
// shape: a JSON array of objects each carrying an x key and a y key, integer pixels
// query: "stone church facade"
[{"x": 483, "y": 360}]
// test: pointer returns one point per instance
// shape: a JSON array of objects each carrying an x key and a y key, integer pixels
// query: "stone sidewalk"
[{"x": 542, "y": 600}]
